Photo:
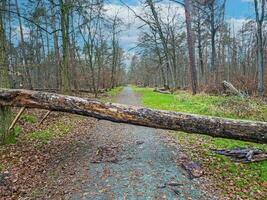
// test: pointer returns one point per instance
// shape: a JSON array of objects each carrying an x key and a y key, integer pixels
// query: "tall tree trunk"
[
  {"x": 260, "y": 16},
  {"x": 4, "y": 75},
  {"x": 213, "y": 66},
  {"x": 200, "y": 53},
  {"x": 25, "y": 59},
  {"x": 191, "y": 49},
  {"x": 114, "y": 61},
  {"x": 163, "y": 41},
  {"x": 65, "y": 67},
  {"x": 5, "y": 112},
  {"x": 213, "y": 31},
  {"x": 164, "y": 79},
  {"x": 74, "y": 76},
  {"x": 56, "y": 48}
]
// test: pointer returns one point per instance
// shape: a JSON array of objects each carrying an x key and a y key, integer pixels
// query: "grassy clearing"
[{"x": 236, "y": 180}]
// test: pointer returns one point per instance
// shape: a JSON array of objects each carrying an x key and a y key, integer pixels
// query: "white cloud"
[
  {"x": 236, "y": 24},
  {"x": 131, "y": 30},
  {"x": 26, "y": 31}
]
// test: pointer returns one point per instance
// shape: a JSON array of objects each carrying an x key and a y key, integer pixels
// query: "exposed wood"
[
  {"x": 232, "y": 89},
  {"x": 45, "y": 116},
  {"x": 16, "y": 118},
  {"x": 213, "y": 126}
]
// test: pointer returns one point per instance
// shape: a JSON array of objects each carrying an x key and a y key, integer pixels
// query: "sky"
[
  {"x": 239, "y": 9},
  {"x": 237, "y": 12}
]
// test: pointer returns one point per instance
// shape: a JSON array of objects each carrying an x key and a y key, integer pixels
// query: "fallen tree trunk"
[
  {"x": 213, "y": 126},
  {"x": 161, "y": 91},
  {"x": 232, "y": 89},
  {"x": 245, "y": 155},
  {"x": 57, "y": 90}
]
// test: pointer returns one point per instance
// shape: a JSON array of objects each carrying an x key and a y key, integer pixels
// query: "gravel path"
[{"x": 133, "y": 162}]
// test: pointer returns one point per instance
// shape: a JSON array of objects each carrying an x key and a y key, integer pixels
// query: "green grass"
[
  {"x": 28, "y": 118},
  {"x": 112, "y": 94},
  {"x": 115, "y": 91},
  {"x": 203, "y": 104},
  {"x": 243, "y": 180},
  {"x": 54, "y": 131},
  {"x": 11, "y": 138},
  {"x": 43, "y": 136}
]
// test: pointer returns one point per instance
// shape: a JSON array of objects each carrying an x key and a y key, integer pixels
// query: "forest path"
[{"x": 133, "y": 162}]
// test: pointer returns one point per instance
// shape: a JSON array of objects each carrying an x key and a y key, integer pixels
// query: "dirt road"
[{"x": 133, "y": 162}]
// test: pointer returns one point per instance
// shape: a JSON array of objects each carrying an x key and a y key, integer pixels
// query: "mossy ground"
[{"x": 236, "y": 180}]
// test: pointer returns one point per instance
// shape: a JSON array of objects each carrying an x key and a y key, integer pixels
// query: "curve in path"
[{"x": 133, "y": 162}]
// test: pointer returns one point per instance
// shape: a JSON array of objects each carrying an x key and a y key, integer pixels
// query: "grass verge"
[
  {"x": 236, "y": 180},
  {"x": 112, "y": 94}
]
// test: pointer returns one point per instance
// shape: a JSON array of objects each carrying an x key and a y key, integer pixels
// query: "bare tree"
[
  {"x": 260, "y": 10},
  {"x": 65, "y": 67},
  {"x": 215, "y": 13},
  {"x": 23, "y": 48},
  {"x": 190, "y": 43},
  {"x": 5, "y": 112}
]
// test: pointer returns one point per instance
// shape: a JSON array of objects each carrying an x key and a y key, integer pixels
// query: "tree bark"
[
  {"x": 213, "y": 126},
  {"x": 191, "y": 49},
  {"x": 56, "y": 48},
  {"x": 65, "y": 68},
  {"x": 260, "y": 16},
  {"x": 199, "y": 40},
  {"x": 5, "y": 112}
]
